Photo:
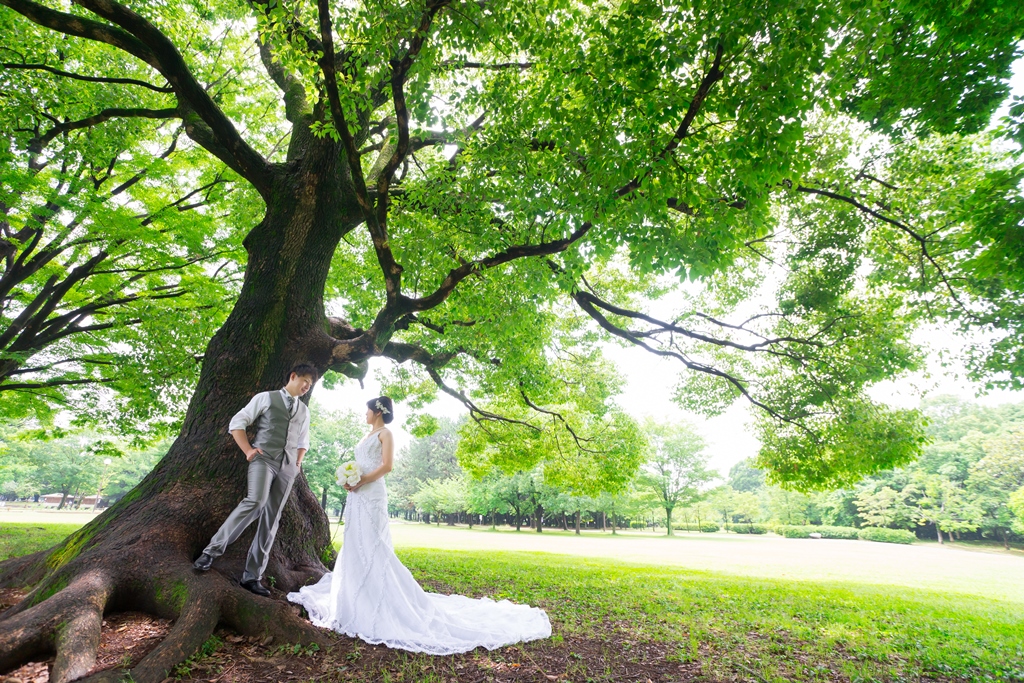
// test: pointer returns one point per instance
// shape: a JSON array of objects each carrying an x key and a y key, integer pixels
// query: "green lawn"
[
  {"x": 17, "y": 538},
  {"x": 717, "y": 626},
  {"x": 952, "y": 568},
  {"x": 770, "y": 629}
]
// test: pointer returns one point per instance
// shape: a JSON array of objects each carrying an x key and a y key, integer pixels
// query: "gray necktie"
[{"x": 289, "y": 401}]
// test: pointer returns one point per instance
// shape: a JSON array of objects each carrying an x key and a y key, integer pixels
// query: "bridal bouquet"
[{"x": 348, "y": 473}]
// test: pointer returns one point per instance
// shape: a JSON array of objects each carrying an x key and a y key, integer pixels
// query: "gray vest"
[{"x": 272, "y": 427}]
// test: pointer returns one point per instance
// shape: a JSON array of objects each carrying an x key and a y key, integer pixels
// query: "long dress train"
[{"x": 372, "y": 596}]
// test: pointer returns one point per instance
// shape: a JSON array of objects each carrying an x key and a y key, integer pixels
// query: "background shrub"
[
  {"x": 843, "y": 532},
  {"x": 748, "y": 528},
  {"x": 705, "y": 527},
  {"x": 871, "y": 533}
]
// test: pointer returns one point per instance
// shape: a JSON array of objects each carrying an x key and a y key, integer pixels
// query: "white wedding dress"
[{"x": 372, "y": 596}]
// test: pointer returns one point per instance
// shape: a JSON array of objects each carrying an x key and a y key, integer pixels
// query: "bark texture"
[{"x": 137, "y": 555}]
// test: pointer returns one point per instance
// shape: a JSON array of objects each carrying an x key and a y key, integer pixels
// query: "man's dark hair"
[{"x": 303, "y": 369}]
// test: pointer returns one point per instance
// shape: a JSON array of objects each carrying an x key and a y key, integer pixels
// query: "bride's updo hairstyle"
[{"x": 382, "y": 404}]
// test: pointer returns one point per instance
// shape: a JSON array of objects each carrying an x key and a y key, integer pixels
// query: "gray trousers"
[{"x": 270, "y": 483}]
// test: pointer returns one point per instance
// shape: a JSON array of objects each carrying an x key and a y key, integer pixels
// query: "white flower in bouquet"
[{"x": 348, "y": 473}]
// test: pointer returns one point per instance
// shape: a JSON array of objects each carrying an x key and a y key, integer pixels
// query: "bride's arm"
[{"x": 387, "y": 447}]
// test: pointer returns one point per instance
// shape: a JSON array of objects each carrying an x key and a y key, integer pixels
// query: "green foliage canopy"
[
  {"x": 514, "y": 159},
  {"x": 119, "y": 238}
]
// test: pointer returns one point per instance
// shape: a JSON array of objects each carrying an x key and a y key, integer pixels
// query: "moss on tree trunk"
[{"x": 137, "y": 555}]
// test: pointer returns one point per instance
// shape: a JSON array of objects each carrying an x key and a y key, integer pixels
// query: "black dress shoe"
[
  {"x": 255, "y": 587},
  {"x": 203, "y": 563}
]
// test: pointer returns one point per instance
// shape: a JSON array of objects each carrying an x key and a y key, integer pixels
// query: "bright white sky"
[
  {"x": 648, "y": 391},
  {"x": 650, "y": 381}
]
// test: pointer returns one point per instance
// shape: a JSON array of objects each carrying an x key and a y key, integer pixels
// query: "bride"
[{"x": 372, "y": 596}]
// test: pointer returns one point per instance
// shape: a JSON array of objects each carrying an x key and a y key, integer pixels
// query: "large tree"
[
  {"x": 119, "y": 248},
  {"x": 676, "y": 468},
  {"x": 454, "y": 174}
]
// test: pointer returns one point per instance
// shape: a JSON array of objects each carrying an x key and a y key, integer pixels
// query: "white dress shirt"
[{"x": 258, "y": 405}]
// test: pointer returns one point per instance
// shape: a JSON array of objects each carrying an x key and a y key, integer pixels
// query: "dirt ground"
[{"x": 609, "y": 655}]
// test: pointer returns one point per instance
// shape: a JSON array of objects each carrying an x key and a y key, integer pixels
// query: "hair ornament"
[{"x": 381, "y": 408}]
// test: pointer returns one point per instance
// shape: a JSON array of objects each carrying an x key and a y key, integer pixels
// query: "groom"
[{"x": 282, "y": 439}]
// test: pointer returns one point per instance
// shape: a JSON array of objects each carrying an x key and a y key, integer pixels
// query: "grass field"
[
  {"x": 23, "y": 538},
  {"x": 952, "y": 568},
  {"x": 771, "y": 629},
  {"x": 817, "y": 611}
]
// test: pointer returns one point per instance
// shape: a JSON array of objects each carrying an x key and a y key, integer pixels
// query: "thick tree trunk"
[
  {"x": 668, "y": 521},
  {"x": 577, "y": 522},
  {"x": 137, "y": 554},
  {"x": 540, "y": 518}
]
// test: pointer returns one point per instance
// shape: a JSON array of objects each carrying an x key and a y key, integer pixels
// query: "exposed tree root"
[
  {"x": 63, "y": 622},
  {"x": 195, "y": 625},
  {"x": 69, "y": 622},
  {"x": 78, "y": 641},
  {"x": 251, "y": 615},
  {"x": 22, "y": 572},
  {"x": 137, "y": 556}
]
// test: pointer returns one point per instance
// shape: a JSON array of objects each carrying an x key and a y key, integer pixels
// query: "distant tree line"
[
  {"x": 967, "y": 485},
  {"x": 74, "y": 464}
]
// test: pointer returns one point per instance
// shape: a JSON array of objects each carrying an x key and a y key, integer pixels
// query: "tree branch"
[
  {"x": 76, "y": 359},
  {"x": 53, "y": 383},
  {"x": 431, "y": 138},
  {"x": 295, "y": 100},
  {"x": 457, "y": 64},
  {"x": 402, "y": 352},
  {"x": 138, "y": 176},
  {"x": 37, "y": 144},
  {"x": 82, "y": 27},
  {"x": 739, "y": 385},
  {"x": 89, "y": 79},
  {"x": 71, "y": 320},
  {"x": 377, "y": 219},
  {"x": 457, "y": 275},
  {"x": 560, "y": 418},
  {"x": 399, "y": 70},
  {"x": 328, "y": 65},
  {"x": 663, "y": 327},
  {"x": 254, "y": 167},
  {"x": 902, "y": 227},
  {"x": 713, "y": 75},
  {"x": 137, "y": 36}
]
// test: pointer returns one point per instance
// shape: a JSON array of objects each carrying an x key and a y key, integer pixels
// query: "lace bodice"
[{"x": 369, "y": 453}]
